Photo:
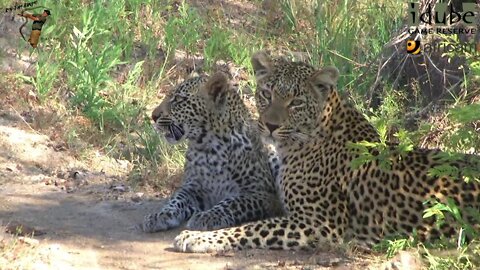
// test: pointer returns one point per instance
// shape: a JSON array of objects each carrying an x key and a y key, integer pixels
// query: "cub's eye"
[
  {"x": 178, "y": 98},
  {"x": 321, "y": 86},
  {"x": 296, "y": 103},
  {"x": 266, "y": 94}
]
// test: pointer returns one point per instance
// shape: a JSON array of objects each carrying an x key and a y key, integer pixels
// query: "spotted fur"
[
  {"x": 327, "y": 200},
  {"x": 227, "y": 177}
]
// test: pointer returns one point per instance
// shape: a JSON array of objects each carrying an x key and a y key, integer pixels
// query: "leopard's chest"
[
  {"x": 308, "y": 170},
  {"x": 207, "y": 163},
  {"x": 219, "y": 159}
]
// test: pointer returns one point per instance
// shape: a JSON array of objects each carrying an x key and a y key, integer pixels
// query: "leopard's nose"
[
  {"x": 271, "y": 127},
  {"x": 155, "y": 116}
]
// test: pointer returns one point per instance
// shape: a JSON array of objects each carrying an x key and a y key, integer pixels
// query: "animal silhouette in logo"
[{"x": 413, "y": 47}]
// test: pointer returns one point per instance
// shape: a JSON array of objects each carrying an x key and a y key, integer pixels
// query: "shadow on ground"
[{"x": 88, "y": 223}]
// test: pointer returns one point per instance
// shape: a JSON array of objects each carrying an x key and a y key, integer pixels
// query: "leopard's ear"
[
  {"x": 262, "y": 64},
  {"x": 324, "y": 79},
  {"x": 216, "y": 88}
]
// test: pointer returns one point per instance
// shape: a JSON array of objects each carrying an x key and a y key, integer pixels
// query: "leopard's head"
[
  {"x": 195, "y": 106},
  {"x": 292, "y": 97}
]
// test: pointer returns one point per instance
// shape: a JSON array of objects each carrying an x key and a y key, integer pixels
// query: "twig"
[{"x": 25, "y": 122}]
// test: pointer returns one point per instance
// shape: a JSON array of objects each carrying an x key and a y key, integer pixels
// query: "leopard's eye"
[
  {"x": 178, "y": 98},
  {"x": 296, "y": 103},
  {"x": 321, "y": 86}
]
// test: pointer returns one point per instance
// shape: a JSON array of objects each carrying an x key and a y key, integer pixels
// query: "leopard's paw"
[
  {"x": 158, "y": 222},
  {"x": 200, "y": 242}
]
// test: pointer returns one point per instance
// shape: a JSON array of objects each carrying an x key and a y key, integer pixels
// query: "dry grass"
[{"x": 17, "y": 252}]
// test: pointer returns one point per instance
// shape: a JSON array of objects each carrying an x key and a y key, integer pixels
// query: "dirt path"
[
  {"x": 84, "y": 233},
  {"x": 87, "y": 216},
  {"x": 86, "y": 213}
]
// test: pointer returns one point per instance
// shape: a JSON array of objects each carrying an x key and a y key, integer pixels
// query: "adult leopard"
[
  {"x": 227, "y": 175},
  {"x": 328, "y": 200}
]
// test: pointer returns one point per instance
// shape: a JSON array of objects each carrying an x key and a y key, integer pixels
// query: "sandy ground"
[{"x": 87, "y": 215}]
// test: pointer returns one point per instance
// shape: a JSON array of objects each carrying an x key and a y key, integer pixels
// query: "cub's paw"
[
  {"x": 137, "y": 227},
  {"x": 158, "y": 222},
  {"x": 206, "y": 221},
  {"x": 200, "y": 242}
]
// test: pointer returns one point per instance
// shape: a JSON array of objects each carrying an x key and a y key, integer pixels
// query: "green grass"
[
  {"x": 216, "y": 46},
  {"x": 182, "y": 31},
  {"x": 88, "y": 61},
  {"x": 343, "y": 33}
]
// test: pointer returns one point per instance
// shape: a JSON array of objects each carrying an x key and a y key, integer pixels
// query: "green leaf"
[
  {"x": 466, "y": 114},
  {"x": 368, "y": 144}
]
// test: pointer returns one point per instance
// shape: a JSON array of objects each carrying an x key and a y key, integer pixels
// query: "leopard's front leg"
[
  {"x": 235, "y": 211},
  {"x": 179, "y": 208},
  {"x": 288, "y": 233}
]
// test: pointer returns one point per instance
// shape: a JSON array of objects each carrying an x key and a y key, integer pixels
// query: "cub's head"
[
  {"x": 291, "y": 97},
  {"x": 194, "y": 107}
]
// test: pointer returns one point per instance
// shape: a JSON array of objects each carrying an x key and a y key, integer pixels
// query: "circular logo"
[{"x": 413, "y": 47}]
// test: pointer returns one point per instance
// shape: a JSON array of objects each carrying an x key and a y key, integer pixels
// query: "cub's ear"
[
  {"x": 262, "y": 64},
  {"x": 324, "y": 78},
  {"x": 216, "y": 88}
]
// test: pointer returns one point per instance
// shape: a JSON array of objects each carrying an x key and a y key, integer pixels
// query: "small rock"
[
  {"x": 404, "y": 260},
  {"x": 137, "y": 197},
  {"x": 70, "y": 186},
  {"x": 48, "y": 181},
  {"x": 39, "y": 178},
  {"x": 119, "y": 188},
  {"x": 59, "y": 182},
  {"x": 76, "y": 174},
  {"x": 27, "y": 115},
  {"x": 61, "y": 146}
]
